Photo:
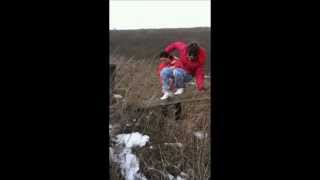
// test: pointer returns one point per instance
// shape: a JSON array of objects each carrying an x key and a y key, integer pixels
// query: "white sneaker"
[
  {"x": 179, "y": 91},
  {"x": 166, "y": 95}
]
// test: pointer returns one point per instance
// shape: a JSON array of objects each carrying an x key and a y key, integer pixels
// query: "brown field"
[{"x": 146, "y": 44}]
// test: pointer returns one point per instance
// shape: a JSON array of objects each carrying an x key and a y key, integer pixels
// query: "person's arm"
[
  {"x": 202, "y": 56},
  {"x": 199, "y": 76},
  {"x": 180, "y": 46}
]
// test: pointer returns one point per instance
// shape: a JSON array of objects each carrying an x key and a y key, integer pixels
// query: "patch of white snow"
[
  {"x": 200, "y": 135},
  {"x": 132, "y": 140},
  {"x": 129, "y": 162},
  {"x": 117, "y": 96}
]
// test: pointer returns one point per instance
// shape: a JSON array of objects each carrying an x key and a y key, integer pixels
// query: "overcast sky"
[{"x": 132, "y": 14}]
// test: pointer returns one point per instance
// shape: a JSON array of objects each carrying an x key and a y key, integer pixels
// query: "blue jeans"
[{"x": 179, "y": 76}]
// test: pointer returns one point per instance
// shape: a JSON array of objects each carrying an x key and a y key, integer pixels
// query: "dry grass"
[{"x": 137, "y": 82}]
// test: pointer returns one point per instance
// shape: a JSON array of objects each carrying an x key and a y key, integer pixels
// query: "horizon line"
[{"x": 162, "y": 28}]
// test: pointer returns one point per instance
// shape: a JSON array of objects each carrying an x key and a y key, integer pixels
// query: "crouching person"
[{"x": 192, "y": 58}]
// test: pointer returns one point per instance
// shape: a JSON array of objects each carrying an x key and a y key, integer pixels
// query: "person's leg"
[
  {"x": 179, "y": 76},
  {"x": 165, "y": 75},
  {"x": 171, "y": 82},
  {"x": 187, "y": 78}
]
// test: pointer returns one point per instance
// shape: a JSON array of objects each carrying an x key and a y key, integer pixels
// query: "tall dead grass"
[{"x": 137, "y": 82}]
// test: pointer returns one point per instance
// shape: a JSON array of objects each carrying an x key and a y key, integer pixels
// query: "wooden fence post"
[{"x": 177, "y": 112}]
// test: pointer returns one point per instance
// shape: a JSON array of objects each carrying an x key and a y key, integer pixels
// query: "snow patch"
[
  {"x": 129, "y": 165},
  {"x": 180, "y": 178},
  {"x": 111, "y": 153},
  {"x": 117, "y": 96},
  {"x": 129, "y": 162},
  {"x": 128, "y": 124},
  {"x": 171, "y": 177},
  {"x": 183, "y": 174},
  {"x": 132, "y": 140},
  {"x": 200, "y": 134}
]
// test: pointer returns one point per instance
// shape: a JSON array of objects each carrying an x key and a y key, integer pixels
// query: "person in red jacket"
[{"x": 190, "y": 64}]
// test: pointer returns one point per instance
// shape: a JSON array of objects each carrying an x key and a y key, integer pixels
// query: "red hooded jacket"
[{"x": 195, "y": 68}]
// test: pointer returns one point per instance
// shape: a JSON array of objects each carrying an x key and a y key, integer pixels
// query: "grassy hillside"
[
  {"x": 175, "y": 147},
  {"x": 147, "y": 43}
]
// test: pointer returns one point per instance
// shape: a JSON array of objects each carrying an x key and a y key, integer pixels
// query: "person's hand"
[{"x": 173, "y": 62}]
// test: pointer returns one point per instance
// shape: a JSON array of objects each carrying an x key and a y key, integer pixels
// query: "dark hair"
[
  {"x": 165, "y": 55},
  {"x": 193, "y": 49}
]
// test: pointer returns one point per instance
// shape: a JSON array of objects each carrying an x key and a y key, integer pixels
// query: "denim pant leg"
[
  {"x": 166, "y": 74},
  {"x": 187, "y": 77},
  {"x": 179, "y": 75}
]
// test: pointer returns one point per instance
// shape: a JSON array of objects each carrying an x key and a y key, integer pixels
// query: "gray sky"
[{"x": 132, "y": 14}]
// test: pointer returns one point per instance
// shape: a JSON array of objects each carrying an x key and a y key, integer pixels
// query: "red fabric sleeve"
[
  {"x": 178, "y": 45},
  {"x": 199, "y": 75},
  {"x": 202, "y": 56}
]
